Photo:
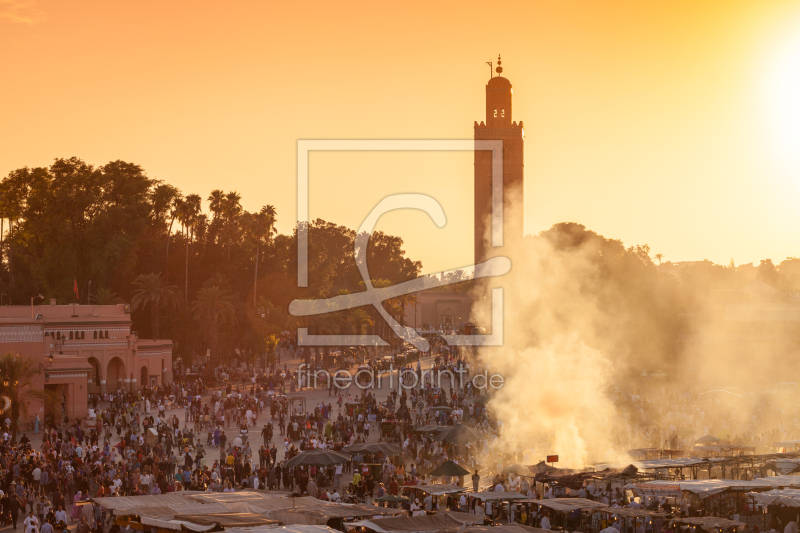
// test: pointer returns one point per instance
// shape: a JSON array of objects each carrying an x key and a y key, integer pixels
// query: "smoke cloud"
[{"x": 581, "y": 318}]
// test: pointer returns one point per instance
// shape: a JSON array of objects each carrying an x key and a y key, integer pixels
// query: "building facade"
[{"x": 93, "y": 350}]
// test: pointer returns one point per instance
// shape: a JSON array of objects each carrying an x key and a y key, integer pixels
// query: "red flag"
[{"x": 75, "y": 290}]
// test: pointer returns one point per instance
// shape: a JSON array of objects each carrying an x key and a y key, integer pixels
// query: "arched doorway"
[
  {"x": 143, "y": 382},
  {"x": 94, "y": 375},
  {"x": 115, "y": 374}
]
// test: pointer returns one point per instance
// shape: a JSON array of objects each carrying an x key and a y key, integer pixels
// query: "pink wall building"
[{"x": 93, "y": 350}]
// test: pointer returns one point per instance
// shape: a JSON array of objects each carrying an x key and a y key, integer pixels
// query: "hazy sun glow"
[{"x": 783, "y": 94}]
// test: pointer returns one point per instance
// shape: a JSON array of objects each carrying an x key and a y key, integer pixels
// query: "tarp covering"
[
  {"x": 724, "y": 448},
  {"x": 169, "y": 512},
  {"x": 510, "y": 528},
  {"x": 449, "y": 468},
  {"x": 295, "y": 528},
  {"x": 435, "y": 490},
  {"x": 162, "y": 500},
  {"x": 568, "y": 504},
  {"x": 709, "y": 522},
  {"x": 464, "y": 518},
  {"x": 709, "y": 487},
  {"x": 408, "y": 524},
  {"x": 787, "y": 497},
  {"x": 176, "y": 525},
  {"x": 492, "y": 496},
  {"x": 245, "y": 508},
  {"x": 228, "y": 519},
  {"x": 629, "y": 511}
]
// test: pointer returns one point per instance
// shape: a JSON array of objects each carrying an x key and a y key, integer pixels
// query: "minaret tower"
[{"x": 498, "y": 126}]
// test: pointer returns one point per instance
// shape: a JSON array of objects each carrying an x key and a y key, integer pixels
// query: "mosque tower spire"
[{"x": 498, "y": 126}]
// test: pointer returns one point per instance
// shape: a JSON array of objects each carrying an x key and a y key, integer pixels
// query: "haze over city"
[{"x": 648, "y": 123}]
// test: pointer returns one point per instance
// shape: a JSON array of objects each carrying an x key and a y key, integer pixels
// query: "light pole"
[
  {"x": 33, "y": 298},
  {"x": 43, "y": 367}
]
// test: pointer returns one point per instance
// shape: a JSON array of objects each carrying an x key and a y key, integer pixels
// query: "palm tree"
[
  {"x": 161, "y": 198},
  {"x": 104, "y": 296},
  {"x": 214, "y": 307},
  {"x": 359, "y": 319},
  {"x": 175, "y": 207},
  {"x": 231, "y": 209},
  {"x": 659, "y": 257},
  {"x": 17, "y": 384},
  {"x": 152, "y": 289},
  {"x": 216, "y": 201},
  {"x": 261, "y": 228},
  {"x": 191, "y": 211}
]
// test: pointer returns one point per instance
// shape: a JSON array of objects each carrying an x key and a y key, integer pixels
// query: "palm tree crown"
[{"x": 152, "y": 290}]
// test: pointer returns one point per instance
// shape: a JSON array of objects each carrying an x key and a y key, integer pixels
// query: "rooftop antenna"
[{"x": 491, "y": 72}]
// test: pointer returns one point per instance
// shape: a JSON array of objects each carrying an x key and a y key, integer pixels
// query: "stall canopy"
[
  {"x": 629, "y": 511},
  {"x": 374, "y": 447},
  {"x": 435, "y": 490},
  {"x": 237, "y": 509},
  {"x": 408, "y": 524},
  {"x": 449, "y": 468},
  {"x": 317, "y": 458},
  {"x": 176, "y": 525},
  {"x": 787, "y": 497},
  {"x": 458, "y": 434},
  {"x": 432, "y": 429},
  {"x": 297, "y": 528},
  {"x": 496, "y": 495},
  {"x": 567, "y": 505},
  {"x": 228, "y": 519},
  {"x": 518, "y": 469},
  {"x": 709, "y": 487},
  {"x": 709, "y": 523}
]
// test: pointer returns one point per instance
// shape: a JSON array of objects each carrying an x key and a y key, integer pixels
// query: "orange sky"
[{"x": 652, "y": 122}]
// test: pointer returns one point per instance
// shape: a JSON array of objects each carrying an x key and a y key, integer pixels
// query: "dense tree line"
[{"x": 221, "y": 278}]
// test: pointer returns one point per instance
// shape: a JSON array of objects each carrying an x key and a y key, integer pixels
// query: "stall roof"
[
  {"x": 787, "y": 497},
  {"x": 492, "y": 495},
  {"x": 295, "y": 528},
  {"x": 228, "y": 519},
  {"x": 710, "y": 487},
  {"x": 176, "y": 525},
  {"x": 436, "y": 490},
  {"x": 305, "y": 510},
  {"x": 568, "y": 504},
  {"x": 510, "y": 528},
  {"x": 629, "y": 511},
  {"x": 724, "y": 448},
  {"x": 708, "y": 522},
  {"x": 409, "y": 524},
  {"x": 162, "y": 500},
  {"x": 464, "y": 518},
  {"x": 644, "y": 451}
]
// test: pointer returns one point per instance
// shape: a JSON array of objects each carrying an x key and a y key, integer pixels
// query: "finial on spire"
[{"x": 499, "y": 69}]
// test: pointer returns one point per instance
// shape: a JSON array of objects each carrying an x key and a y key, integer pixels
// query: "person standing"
[
  {"x": 83, "y": 526},
  {"x": 31, "y": 523},
  {"x": 475, "y": 480},
  {"x": 13, "y": 507}
]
